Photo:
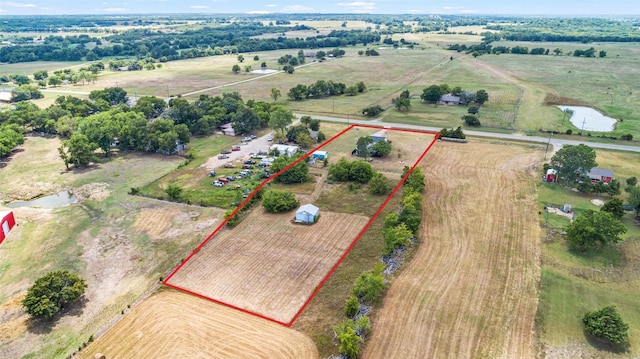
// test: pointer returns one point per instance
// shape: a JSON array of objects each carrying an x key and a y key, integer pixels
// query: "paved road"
[{"x": 555, "y": 142}]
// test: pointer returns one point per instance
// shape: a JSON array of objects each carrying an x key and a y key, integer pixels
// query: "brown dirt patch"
[
  {"x": 471, "y": 288},
  {"x": 92, "y": 192},
  {"x": 155, "y": 221},
  {"x": 31, "y": 191},
  {"x": 13, "y": 321},
  {"x": 171, "y": 324},
  {"x": 268, "y": 265}
]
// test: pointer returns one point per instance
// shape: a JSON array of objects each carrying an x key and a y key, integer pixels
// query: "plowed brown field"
[
  {"x": 172, "y": 324},
  {"x": 470, "y": 290},
  {"x": 268, "y": 265}
]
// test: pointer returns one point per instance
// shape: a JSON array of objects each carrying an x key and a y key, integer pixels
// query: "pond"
[
  {"x": 588, "y": 119},
  {"x": 59, "y": 199}
]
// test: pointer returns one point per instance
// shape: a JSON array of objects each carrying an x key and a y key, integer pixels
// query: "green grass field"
[{"x": 574, "y": 283}]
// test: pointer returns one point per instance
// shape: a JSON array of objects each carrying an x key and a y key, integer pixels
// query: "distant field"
[{"x": 28, "y": 68}]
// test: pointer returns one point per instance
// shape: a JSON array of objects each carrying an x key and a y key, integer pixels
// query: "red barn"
[{"x": 7, "y": 221}]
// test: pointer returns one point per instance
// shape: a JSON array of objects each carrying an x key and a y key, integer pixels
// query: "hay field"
[
  {"x": 171, "y": 324},
  {"x": 470, "y": 290},
  {"x": 267, "y": 265}
]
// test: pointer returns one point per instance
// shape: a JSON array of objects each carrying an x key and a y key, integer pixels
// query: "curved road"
[{"x": 556, "y": 142}]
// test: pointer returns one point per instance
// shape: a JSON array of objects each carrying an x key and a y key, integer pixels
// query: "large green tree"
[
  {"x": 52, "y": 292},
  {"x": 363, "y": 146},
  {"x": 279, "y": 201},
  {"x": 280, "y": 118},
  {"x": 431, "y": 94},
  {"x": 606, "y": 324},
  {"x": 572, "y": 160},
  {"x": 295, "y": 174},
  {"x": 593, "y": 229},
  {"x": 77, "y": 151},
  {"x": 634, "y": 199}
]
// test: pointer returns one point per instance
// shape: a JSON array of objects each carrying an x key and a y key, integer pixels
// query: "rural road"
[{"x": 555, "y": 142}]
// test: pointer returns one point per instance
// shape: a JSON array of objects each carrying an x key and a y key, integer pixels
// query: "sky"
[{"x": 456, "y": 7}]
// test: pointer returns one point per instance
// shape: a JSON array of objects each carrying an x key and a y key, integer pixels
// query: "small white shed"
[{"x": 307, "y": 214}]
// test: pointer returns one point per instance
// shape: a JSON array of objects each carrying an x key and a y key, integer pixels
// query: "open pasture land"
[
  {"x": 470, "y": 290},
  {"x": 172, "y": 324},
  {"x": 574, "y": 283},
  {"x": 608, "y": 84},
  {"x": 120, "y": 244},
  {"x": 268, "y": 265},
  {"x": 28, "y": 68}
]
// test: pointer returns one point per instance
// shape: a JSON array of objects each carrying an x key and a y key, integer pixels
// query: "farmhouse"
[
  {"x": 376, "y": 139},
  {"x": 7, "y": 222},
  {"x": 320, "y": 155},
  {"x": 5, "y": 97},
  {"x": 307, "y": 214},
  {"x": 449, "y": 99},
  {"x": 285, "y": 150},
  {"x": 600, "y": 174}
]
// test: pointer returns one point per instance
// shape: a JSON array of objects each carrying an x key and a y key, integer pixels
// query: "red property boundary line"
[{"x": 344, "y": 255}]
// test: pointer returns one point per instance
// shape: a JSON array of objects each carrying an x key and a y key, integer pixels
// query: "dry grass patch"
[
  {"x": 268, "y": 265},
  {"x": 171, "y": 324},
  {"x": 471, "y": 288}
]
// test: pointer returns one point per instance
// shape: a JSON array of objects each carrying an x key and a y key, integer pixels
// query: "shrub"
[
  {"x": 52, "y": 292},
  {"x": 471, "y": 120},
  {"x": 369, "y": 286},
  {"x": 606, "y": 324},
  {"x": 379, "y": 184},
  {"x": 278, "y": 201},
  {"x": 351, "y": 306},
  {"x": 372, "y": 111}
]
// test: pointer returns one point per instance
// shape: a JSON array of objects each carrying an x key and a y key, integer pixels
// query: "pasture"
[
  {"x": 268, "y": 265},
  {"x": 470, "y": 289},
  {"x": 107, "y": 238},
  {"x": 574, "y": 283},
  {"x": 172, "y": 324}
]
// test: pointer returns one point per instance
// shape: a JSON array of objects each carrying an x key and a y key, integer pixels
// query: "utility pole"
[{"x": 547, "y": 148}]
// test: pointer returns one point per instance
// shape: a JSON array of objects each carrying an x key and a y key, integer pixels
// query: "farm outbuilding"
[
  {"x": 7, "y": 222},
  {"x": 284, "y": 150},
  {"x": 320, "y": 155},
  {"x": 307, "y": 214},
  {"x": 600, "y": 174}
]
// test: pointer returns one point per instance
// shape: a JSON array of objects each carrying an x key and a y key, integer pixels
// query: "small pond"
[
  {"x": 588, "y": 119},
  {"x": 55, "y": 200}
]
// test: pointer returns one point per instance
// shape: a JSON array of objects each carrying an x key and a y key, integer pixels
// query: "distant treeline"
[
  {"x": 484, "y": 48},
  {"x": 162, "y": 46}
]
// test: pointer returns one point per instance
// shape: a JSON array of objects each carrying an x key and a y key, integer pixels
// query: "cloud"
[
  {"x": 358, "y": 6},
  {"x": 198, "y": 7},
  {"x": 453, "y": 7},
  {"x": 18, "y": 4},
  {"x": 298, "y": 9},
  {"x": 271, "y": 5},
  {"x": 258, "y": 12}
]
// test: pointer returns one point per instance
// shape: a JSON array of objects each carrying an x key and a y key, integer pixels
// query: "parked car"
[
  {"x": 249, "y": 162},
  {"x": 247, "y": 166},
  {"x": 223, "y": 180},
  {"x": 225, "y": 152},
  {"x": 231, "y": 178},
  {"x": 217, "y": 183},
  {"x": 229, "y": 165},
  {"x": 269, "y": 138},
  {"x": 222, "y": 157},
  {"x": 235, "y": 148},
  {"x": 212, "y": 173}
]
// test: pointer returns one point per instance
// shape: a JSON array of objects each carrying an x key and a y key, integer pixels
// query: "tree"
[
  {"x": 614, "y": 206},
  {"x": 632, "y": 181},
  {"x": 372, "y": 111},
  {"x": 275, "y": 94},
  {"x": 295, "y": 174},
  {"x": 606, "y": 324},
  {"x": 304, "y": 140},
  {"x": 245, "y": 121},
  {"x": 360, "y": 171},
  {"x": 415, "y": 181},
  {"x": 256, "y": 58},
  {"x": 363, "y": 146},
  {"x": 602, "y": 53},
  {"x": 339, "y": 171},
  {"x": 240, "y": 58},
  {"x": 263, "y": 65},
  {"x": 78, "y": 151},
  {"x": 369, "y": 286},
  {"x": 174, "y": 192},
  {"x": 481, "y": 97},
  {"x": 280, "y": 118},
  {"x": 396, "y": 237},
  {"x": 112, "y": 95},
  {"x": 349, "y": 340},
  {"x": 572, "y": 160},
  {"x": 236, "y": 68},
  {"x": 593, "y": 229},
  {"x": 279, "y": 201},
  {"x": 634, "y": 199},
  {"x": 351, "y": 306},
  {"x": 50, "y": 293},
  {"x": 471, "y": 120},
  {"x": 381, "y": 149},
  {"x": 150, "y": 106},
  {"x": 54, "y": 81},
  {"x": 431, "y": 94},
  {"x": 401, "y": 103}
]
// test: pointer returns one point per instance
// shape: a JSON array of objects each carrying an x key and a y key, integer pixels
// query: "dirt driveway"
[{"x": 255, "y": 146}]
